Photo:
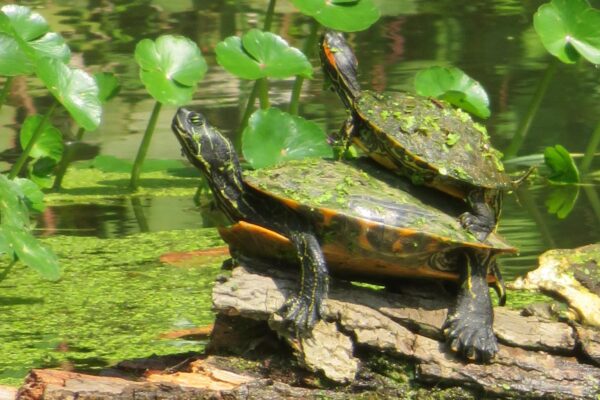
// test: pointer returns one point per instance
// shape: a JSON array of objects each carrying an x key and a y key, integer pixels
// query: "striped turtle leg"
[
  {"x": 303, "y": 310},
  {"x": 485, "y": 205},
  {"x": 468, "y": 327}
]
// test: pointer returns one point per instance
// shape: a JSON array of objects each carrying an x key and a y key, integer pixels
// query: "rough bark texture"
[{"x": 537, "y": 358}]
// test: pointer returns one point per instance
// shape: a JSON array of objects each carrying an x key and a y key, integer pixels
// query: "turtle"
[
  {"x": 353, "y": 217},
  {"x": 422, "y": 138}
]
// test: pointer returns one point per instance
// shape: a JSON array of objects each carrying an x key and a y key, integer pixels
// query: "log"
[{"x": 537, "y": 358}]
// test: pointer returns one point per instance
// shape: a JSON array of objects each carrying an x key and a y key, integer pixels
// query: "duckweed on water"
[
  {"x": 113, "y": 301},
  {"x": 84, "y": 185}
]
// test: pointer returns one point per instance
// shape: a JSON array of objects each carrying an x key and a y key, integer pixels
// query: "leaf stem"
[
  {"x": 269, "y": 15},
  {"x": 519, "y": 137},
  {"x": 263, "y": 93},
  {"x": 141, "y": 155},
  {"x": 309, "y": 45},
  {"x": 61, "y": 170},
  {"x": 6, "y": 90},
  {"x": 590, "y": 150},
  {"x": 16, "y": 169}
]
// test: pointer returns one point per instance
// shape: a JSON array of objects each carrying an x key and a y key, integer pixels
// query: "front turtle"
[
  {"x": 424, "y": 139},
  {"x": 352, "y": 217}
]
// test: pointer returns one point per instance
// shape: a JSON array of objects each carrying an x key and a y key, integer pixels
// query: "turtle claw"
[
  {"x": 471, "y": 336},
  {"x": 299, "y": 315},
  {"x": 480, "y": 227}
]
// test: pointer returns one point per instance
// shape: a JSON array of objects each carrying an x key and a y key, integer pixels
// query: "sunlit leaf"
[
  {"x": 49, "y": 143},
  {"x": 261, "y": 54},
  {"x": 561, "y": 164},
  {"x": 454, "y": 86},
  {"x": 32, "y": 253},
  {"x": 13, "y": 209},
  {"x": 170, "y": 68},
  {"x": 108, "y": 86},
  {"x": 273, "y": 136},
  {"x": 34, "y": 197},
  {"x": 341, "y": 15},
  {"x": 25, "y": 37},
  {"x": 75, "y": 89},
  {"x": 562, "y": 200},
  {"x": 5, "y": 245},
  {"x": 568, "y": 29}
]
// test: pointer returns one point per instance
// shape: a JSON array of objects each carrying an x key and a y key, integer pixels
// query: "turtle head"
[
  {"x": 339, "y": 65},
  {"x": 207, "y": 148},
  {"x": 213, "y": 154}
]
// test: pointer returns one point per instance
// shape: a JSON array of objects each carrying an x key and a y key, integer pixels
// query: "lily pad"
[
  {"x": 75, "y": 89},
  {"x": 561, "y": 165},
  {"x": 341, "y": 15},
  {"x": 454, "y": 86},
  {"x": 170, "y": 68},
  {"x": 32, "y": 253},
  {"x": 49, "y": 144},
  {"x": 24, "y": 37},
  {"x": 273, "y": 136},
  {"x": 568, "y": 29},
  {"x": 34, "y": 197},
  {"x": 260, "y": 55},
  {"x": 13, "y": 210},
  {"x": 108, "y": 86}
]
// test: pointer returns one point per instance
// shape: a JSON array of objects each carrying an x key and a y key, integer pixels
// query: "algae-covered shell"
[
  {"x": 424, "y": 135},
  {"x": 369, "y": 222}
]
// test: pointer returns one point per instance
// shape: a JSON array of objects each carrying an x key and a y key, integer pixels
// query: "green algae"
[
  {"x": 91, "y": 185},
  {"x": 113, "y": 301}
]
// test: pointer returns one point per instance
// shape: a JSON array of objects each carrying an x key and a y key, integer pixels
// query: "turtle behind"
[{"x": 424, "y": 139}]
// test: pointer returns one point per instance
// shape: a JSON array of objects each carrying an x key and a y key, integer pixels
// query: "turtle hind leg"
[
  {"x": 302, "y": 311},
  {"x": 468, "y": 327},
  {"x": 481, "y": 221}
]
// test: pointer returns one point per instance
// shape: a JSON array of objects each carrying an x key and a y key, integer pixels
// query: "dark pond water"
[{"x": 493, "y": 41}]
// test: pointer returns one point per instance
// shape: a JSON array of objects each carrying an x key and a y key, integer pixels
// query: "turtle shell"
[
  {"x": 430, "y": 137},
  {"x": 368, "y": 221}
]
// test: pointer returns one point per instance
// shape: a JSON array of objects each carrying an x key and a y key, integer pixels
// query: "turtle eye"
[{"x": 195, "y": 119}]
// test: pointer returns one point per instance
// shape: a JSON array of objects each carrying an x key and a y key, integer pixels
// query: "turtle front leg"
[
  {"x": 485, "y": 205},
  {"x": 343, "y": 140},
  {"x": 468, "y": 327},
  {"x": 303, "y": 310}
]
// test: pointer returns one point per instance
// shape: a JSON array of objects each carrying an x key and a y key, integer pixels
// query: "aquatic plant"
[
  {"x": 170, "y": 69},
  {"x": 27, "y": 46}
]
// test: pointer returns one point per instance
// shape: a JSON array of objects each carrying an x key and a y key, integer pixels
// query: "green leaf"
[
  {"x": 5, "y": 245},
  {"x": 561, "y": 165},
  {"x": 34, "y": 197},
  {"x": 108, "y": 86},
  {"x": 170, "y": 68},
  {"x": 32, "y": 253},
  {"x": 260, "y": 55},
  {"x": 273, "y": 136},
  {"x": 49, "y": 144},
  {"x": 25, "y": 37},
  {"x": 75, "y": 89},
  {"x": 568, "y": 29},
  {"x": 341, "y": 15},
  {"x": 41, "y": 171},
  {"x": 454, "y": 86},
  {"x": 13, "y": 209},
  {"x": 562, "y": 200}
]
